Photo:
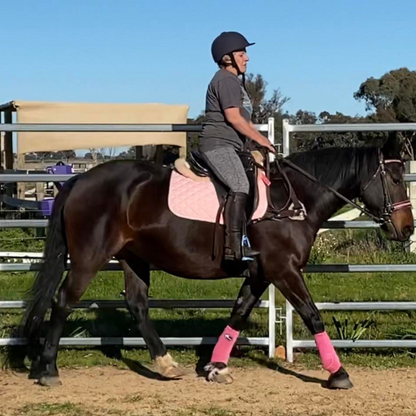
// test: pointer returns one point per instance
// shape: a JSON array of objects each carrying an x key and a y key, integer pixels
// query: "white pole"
[
  {"x": 272, "y": 321},
  {"x": 270, "y": 132},
  {"x": 411, "y": 168},
  {"x": 289, "y": 308},
  {"x": 286, "y": 132},
  {"x": 289, "y": 332},
  {"x": 272, "y": 289}
]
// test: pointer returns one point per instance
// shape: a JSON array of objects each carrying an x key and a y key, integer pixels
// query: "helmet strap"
[{"x": 234, "y": 64}]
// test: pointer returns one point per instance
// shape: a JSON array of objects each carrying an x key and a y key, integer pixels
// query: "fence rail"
[
  {"x": 292, "y": 343},
  {"x": 311, "y": 268},
  {"x": 11, "y": 178},
  {"x": 328, "y": 268}
]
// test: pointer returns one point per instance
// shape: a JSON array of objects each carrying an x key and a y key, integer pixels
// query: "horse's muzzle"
[{"x": 401, "y": 225}]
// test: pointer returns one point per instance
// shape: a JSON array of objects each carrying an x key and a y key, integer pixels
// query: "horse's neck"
[{"x": 321, "y": 204}]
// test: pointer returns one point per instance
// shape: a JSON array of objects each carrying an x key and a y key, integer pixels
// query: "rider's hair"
[{"x": 225, "y": 61}]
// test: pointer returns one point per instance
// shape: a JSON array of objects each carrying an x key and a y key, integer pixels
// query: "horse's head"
[{"x": 385, "y": 194}]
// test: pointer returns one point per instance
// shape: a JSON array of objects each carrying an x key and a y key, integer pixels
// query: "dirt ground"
[{"x": 255, "y": 391}]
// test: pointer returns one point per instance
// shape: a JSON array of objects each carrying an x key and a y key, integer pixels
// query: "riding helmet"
[{"x": 226, "y": 43}]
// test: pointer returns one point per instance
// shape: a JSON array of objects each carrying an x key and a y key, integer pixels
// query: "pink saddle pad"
[{"x": 198, "y": 200}]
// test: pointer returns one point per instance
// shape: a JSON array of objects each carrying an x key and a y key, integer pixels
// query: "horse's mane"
[{"x": 331, "y": 166}]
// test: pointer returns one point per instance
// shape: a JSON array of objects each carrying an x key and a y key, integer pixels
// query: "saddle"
[
  {"x": 196, "y": 193},
  {"x": 197, "y": 168}
]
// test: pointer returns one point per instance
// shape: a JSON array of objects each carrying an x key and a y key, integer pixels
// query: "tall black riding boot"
[{"x": 234, "y": 216}]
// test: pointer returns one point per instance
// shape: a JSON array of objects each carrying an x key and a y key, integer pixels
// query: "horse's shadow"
[
  {"x": 204, "y": 355},
  {"x": 272, "y": 365},
  {"x": 135, "y": 366}
]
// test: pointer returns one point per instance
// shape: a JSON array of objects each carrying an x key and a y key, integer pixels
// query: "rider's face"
[{"x": 241, "y": 59}]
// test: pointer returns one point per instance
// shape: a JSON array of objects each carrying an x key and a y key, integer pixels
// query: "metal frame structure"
[
  {"x": 292, "y": 343},
  {"x": 328, "y": 268},
  {"x": 8, "y": 178}
]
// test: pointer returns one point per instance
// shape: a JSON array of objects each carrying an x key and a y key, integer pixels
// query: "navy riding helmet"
[{"x": 226, "y": 43}]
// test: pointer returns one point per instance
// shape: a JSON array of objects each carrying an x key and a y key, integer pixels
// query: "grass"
[
  {"x": 50, "y": 409},
  {"x": 332, "y": 247}
]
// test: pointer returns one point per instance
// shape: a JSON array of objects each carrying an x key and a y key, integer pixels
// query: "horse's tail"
[{"x": 47, "y": 280}]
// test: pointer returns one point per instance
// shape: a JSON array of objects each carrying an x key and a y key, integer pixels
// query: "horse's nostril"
[{"x": 408, "y": 230}]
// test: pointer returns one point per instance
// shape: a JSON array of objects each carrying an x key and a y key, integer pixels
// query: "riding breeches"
[{"x": 228, "y": 167}]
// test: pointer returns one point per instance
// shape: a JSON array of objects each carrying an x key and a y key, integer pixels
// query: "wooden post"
[
  {"x": 8, "y": 150},
  {"x": 8, "y": 141},
  {"x": 21, "y": 186},
  {"x": 139, "y": 152},
  {"x": 159, "y": 155}
]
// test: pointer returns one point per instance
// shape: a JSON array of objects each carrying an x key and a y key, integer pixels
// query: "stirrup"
[{"x": 247, "y": 254}]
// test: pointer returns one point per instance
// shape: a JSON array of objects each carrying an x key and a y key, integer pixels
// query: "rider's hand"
[{"x": 270, "y": 147}]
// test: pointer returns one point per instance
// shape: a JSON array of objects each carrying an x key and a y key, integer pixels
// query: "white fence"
[
  {"x": 268, "y": 341},
  {"x": 292, "y": 343},
  {"x": 270, "y": 304}
]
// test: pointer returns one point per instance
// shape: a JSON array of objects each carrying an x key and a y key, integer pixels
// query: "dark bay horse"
[{"x": 119, "y": 209}]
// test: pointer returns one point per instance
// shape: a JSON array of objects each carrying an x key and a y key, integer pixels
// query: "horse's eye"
[{"x": 397, "y": 181}]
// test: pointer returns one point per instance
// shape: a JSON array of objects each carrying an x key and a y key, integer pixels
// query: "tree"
[
  {"x": 392, "y": 99},
  {"x": 192, "y": 139},
  {"x": 303, "y": 141},
  {"x": 68, "y": 154},
  {"x": 308, "y": 141},
  {"x": 43, "y": 155},
  {"x": 96, "y": 154},
  {"x": 263, "y": 108}
]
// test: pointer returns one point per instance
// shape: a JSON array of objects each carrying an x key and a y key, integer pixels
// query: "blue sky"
[{"x": 316, "y": 52}]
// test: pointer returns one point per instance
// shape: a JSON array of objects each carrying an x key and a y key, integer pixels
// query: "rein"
[{"x": 389, "y": 207}]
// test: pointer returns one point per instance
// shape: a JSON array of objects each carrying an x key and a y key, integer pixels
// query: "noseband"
[{"x": 389, "y": 206}]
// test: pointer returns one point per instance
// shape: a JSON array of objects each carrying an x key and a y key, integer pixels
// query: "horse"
[{"x": 119, "y": 210}]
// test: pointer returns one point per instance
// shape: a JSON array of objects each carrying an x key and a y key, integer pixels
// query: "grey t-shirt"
[{"x": 224, "y": 91}]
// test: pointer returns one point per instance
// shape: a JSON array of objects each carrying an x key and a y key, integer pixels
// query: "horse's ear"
[{"x": 392, "y": 148}]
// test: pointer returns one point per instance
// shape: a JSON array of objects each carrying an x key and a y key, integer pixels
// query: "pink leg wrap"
[
  {"x": 328, "y": 355},
  {"x": 225, "y": 344}
]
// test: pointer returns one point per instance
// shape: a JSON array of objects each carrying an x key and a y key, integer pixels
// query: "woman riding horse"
[{"x": 226, "y": 129}]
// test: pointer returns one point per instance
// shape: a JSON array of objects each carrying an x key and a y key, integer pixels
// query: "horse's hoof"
[
  {"x": 172, "y": 372},
  {"x": 218, "y": 373},
  {"x": 48, "y": 381},
  {"x": 340, "y": 380},
  {"x": 168, "y": 367}
]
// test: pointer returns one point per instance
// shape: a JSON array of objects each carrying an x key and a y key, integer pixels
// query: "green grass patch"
[{"x": 50, "y": 409}]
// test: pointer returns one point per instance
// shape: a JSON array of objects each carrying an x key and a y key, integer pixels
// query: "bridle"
[{"x": 389, "y": 207}]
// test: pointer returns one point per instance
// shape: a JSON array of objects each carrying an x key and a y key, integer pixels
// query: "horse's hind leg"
[
  {"x": 44, "y": 368},
  {"x": 293, "y": 287},
  {"x": 250, "y": 292},
  {"x": 137, "y": 280}
]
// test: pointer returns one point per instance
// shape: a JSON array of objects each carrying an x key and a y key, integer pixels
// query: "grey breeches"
[{"x": 229, "y": 169}]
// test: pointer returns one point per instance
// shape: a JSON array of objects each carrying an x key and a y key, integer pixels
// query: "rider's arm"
[{"x": 239, "y": 123}]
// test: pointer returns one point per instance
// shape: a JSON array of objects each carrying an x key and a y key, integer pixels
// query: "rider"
[{"x": 226, "y": 128}]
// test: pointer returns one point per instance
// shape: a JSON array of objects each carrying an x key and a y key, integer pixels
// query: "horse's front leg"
[
  {"x": 250, "y": 292},
  {"x": 292, "y": 285}
]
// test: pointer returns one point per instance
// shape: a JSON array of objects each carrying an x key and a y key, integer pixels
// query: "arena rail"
[
  {"x": 291, "y": 343},
  {"x": 270, "y": 304},
  {"x": 268, "y": 341}
]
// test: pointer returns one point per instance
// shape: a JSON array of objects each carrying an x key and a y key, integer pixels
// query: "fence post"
[
  {"x": 272, "y": 321},
  {"x": 411, "y": 168},
  {"x": 289, "y": 332},
  {"x": 286, "y": 133}
]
